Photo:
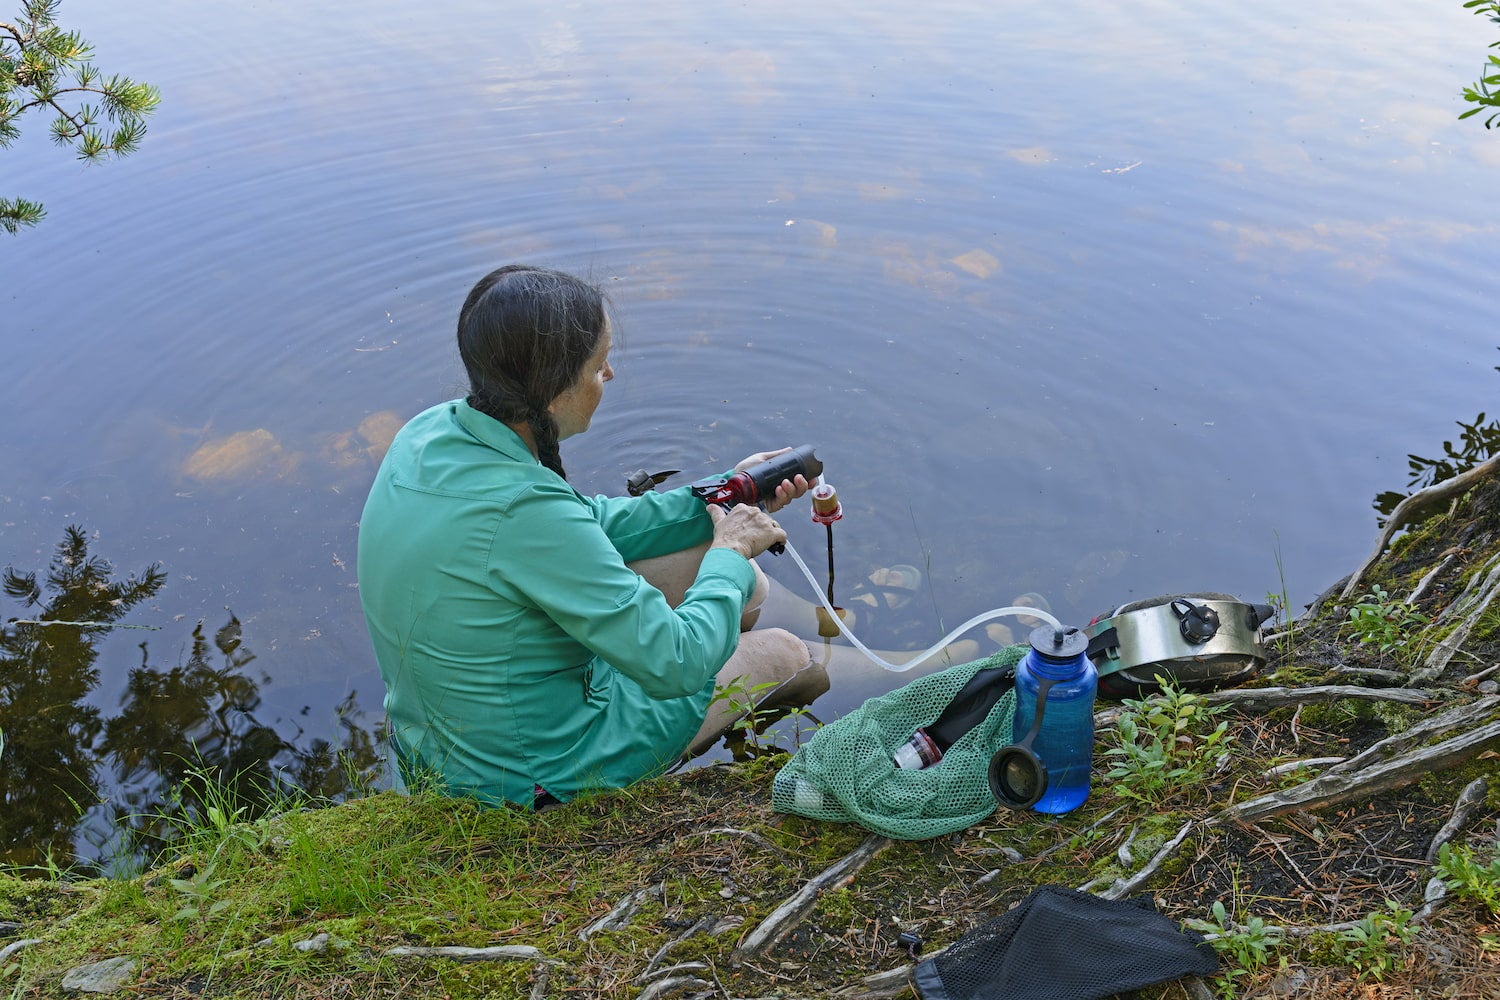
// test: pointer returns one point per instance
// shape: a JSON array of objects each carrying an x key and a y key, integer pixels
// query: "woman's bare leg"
[
  {"x": 764, "y": 657},
  {"x": 674, "y": 573},
  {"x": 800, "y": 670}
]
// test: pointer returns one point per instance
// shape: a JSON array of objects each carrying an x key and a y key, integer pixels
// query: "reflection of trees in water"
[
  {"x": 1478, "y": 440},
  {"x": 47, "y": 774},
  {"x": 185, "y": 737}
]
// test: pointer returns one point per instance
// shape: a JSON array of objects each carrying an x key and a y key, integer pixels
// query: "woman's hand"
[
  {"x": 746, "y": 529},
  {"x": 788, "y": 489}
]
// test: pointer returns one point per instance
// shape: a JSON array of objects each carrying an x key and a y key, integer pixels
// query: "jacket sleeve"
[
  {"x": 653, "y": 524},
  {"x": 552, "y": 552}
]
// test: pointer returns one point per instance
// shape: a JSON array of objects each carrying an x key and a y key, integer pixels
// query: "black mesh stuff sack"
[{"x": 1062, "y": 944}]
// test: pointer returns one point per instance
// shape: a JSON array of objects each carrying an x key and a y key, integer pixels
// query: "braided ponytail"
[{"x": 524, "y": 334}]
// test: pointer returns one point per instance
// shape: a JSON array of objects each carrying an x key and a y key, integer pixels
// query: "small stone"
[
  {"x": 1288, "y": 983},
  {"x": 1489, "y": 687},
  {"x": 318, "y": 942},
  {"x": 108, "y": 976}
]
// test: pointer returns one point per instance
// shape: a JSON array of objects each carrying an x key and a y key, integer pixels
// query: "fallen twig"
[
  {"x": 1406, "y": 510},
  {"x": 795, "y": 907},
  {"x": 1278, "y": 697},
  {"x": 731, "y": 831},
  {"x": 1476, "y": 678},
  {"x": 1297, "y": 765},
  {"x": 1261, "y": 699}
]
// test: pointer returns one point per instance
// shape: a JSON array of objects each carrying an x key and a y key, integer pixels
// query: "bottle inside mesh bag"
[{"x": 969, "y": 708}]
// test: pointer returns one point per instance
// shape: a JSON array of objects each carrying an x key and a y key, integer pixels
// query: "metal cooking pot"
[{"x": 1199, "y": 642}]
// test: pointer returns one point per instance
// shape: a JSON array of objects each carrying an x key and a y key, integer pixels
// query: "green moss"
[
  {"x": 484, "y": 980},
  {"x": 1487, "y": 626},
  {"x": 1332, "y": 716},
  {"x": 837, "y": 905},
  {"x": 1397, "y": 717},
  {"x": 1322, "y": 948},
  {"x": 1446, "y": 785},
  {"x": 26, "y": 899}
]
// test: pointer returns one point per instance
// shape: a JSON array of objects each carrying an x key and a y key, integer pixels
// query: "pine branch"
[{"x": 34, "y": 56}]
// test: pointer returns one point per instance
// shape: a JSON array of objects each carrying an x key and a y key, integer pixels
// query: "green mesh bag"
[{"x": 844, "y": 774}]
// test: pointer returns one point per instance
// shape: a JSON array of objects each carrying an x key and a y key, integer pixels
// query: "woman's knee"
[
  {"x": 751, "y": 614},
  {"x": 783, "y": 651}
]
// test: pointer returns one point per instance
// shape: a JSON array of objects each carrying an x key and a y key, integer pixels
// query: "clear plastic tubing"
[{"x": 937, "y": 646}]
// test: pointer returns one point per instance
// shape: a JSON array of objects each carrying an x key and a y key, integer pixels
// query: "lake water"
[{"x": 1099, "y": 301}]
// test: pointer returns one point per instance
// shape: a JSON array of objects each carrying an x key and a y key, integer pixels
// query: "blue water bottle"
[{"x": 1058, "y": 669}]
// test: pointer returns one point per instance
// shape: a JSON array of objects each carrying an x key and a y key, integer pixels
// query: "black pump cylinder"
[{"x": 758, "y": 482}]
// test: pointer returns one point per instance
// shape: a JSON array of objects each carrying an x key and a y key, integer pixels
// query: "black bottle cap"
[{"x": 1059, "y": 644}]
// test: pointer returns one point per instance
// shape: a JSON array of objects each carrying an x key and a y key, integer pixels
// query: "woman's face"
[{"x": 574, "y": 407}]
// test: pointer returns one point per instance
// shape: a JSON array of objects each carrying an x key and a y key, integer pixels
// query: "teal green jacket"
[{"x": 517, "y": 649}]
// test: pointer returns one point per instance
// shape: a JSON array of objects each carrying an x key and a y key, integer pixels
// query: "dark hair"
[{"x": 524, "y": 334}]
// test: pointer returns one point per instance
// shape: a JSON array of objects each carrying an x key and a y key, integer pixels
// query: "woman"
[{"x": 524, "y": 659}]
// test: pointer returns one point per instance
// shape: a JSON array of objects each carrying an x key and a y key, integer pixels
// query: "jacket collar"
[{"x": 489, "y": 431}]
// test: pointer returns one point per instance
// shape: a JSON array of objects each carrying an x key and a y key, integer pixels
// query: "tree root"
[
  {"x": 1471, "y": 606},
  {"x": 1336, "y": 789},
  {"x": 455, "y": 953},
  {"x": 622, "y": 912},
  {"x": 1469, "y": 801},
  {"x": 792, "y": 911},
  {"x": 665, "y": 987},
  {"x": 1125, "y": 886},
  {"x": 1456, "y": 718},
  {"x": 1406, "y": 513},
  {"x": 16, "y": 946},
  {"x": 704, "y": 924}
]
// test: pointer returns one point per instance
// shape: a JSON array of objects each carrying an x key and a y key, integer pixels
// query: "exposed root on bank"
[
  {"x": 794, "y": 908},
  {"x": 1472, "y": 603},
  {"x": 1407, "y": 511},
  {"x": 1343, "y": 787}
]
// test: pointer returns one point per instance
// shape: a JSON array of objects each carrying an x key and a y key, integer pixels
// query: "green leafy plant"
[
  {"x": 748, "y": 703},
  {"x": 1163, "y": 748},
  {"x": 1485, "y": 93},
  {"x": 1382, "y": 621},
  {"x": 198, "y": 889},
  {"x": 1374, "y": 946},
  {"x": 1247, "y": 947},
  {"x": 1468, "y": 878},
  {"x": 218, "y": 829},
  {"x": 43, "y": 67}
]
